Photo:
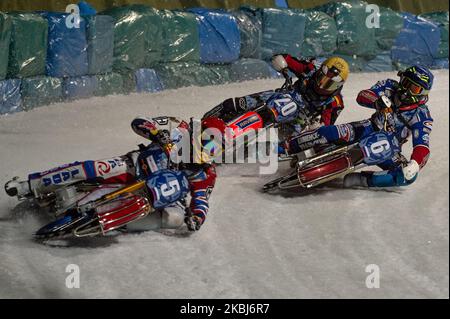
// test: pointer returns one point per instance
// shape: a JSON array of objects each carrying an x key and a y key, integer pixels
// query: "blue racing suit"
[{"x": 406, "y": 120}]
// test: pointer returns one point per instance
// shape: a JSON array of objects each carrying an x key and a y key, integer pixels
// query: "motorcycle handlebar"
[{"x": 287, "y": 85}]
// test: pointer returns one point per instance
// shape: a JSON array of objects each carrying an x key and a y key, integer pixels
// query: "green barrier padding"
[
  {"x": 5, "y": 39},
  {"x": 137, "y": 37},
  {"x": 28, "y": 48},
  {"x": 100, "y": 39},
  {"x": 41, "y": 90},
  {"x": 129, "y": 82},
  {"x": 181, "y": 74},
  {"x": 442, "y": 20},
  {"x": 320, "y": 34},
  {"x": 250, "y": 29},
  {"x": 391, "y": 23},
  {"x": 356, "y": 64},
  {"x": 283, "y": 32},
  {"x": 216, "y": 74},
  {"x": 249, "y": 69},
  {"x": 109, "y": 83},
  {"x": 181, "y": 40},
  {"x": 354, "y": 37}
]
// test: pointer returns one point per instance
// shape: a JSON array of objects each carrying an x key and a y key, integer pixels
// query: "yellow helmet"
[{"x": 331, "y": 76}]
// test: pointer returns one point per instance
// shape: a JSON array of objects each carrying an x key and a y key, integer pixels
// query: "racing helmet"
[
  {"x": 414, "y": 85},
  {"x": 330, "y": 76}
]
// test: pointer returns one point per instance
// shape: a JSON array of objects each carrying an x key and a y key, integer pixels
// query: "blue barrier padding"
[
  {"x": 147, "y": 81},
  {"x": 281, "y": 4},
  {"x": 79, "y": 87},
  {"x": 86, "y": 9},
  {"x": 417, "y": 42},
  {"x": 67, "y": 46},
  {"x": 10, "y": 98},
  {"x": 220, "y": 40}
]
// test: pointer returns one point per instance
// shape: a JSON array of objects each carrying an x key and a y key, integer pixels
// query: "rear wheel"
[
  {"x": 329, "y": 168},
  {"x": 324, "y": 171}
]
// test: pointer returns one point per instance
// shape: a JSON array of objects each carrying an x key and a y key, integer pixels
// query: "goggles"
[{"x": 412, "y": 87}]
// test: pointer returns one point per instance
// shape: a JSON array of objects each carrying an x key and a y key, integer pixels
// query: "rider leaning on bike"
[
  {"x": 122, "y": 169},
  {"x": 408, "y": 115},
  {"x": 201, "y": 174},
  {"x": 320, "y": 89}
]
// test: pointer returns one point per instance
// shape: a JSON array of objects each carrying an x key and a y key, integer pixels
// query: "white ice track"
[{"x": 253, "y": 245}]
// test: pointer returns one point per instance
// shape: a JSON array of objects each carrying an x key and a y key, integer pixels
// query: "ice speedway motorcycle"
[
  {"x": 273, "y": 108},
  {"x": 314, "y": 166},
  {"x": 319, "y": 165},
  {"x": 86, "y": 209}
]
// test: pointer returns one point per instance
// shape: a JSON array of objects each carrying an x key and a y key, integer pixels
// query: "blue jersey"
[{"x": 415, "y": 121}]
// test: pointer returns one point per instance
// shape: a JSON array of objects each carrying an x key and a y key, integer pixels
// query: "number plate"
[{"x": 379, "y": 147}]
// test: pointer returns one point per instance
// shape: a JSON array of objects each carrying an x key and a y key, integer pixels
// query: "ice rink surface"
[{"x": 313, "y": 244}]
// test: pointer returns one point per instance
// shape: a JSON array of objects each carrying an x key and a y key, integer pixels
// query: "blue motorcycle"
[
  {"x": 94, "y": 209},
  {"x": 280, "y": 108}
]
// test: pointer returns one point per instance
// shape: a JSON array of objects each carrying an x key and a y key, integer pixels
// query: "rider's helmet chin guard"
[
  {"x": 330, "y": 76},
  {"x": 414, "y": 85}
]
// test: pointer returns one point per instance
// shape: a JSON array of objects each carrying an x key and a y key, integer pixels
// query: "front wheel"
[
  {"x": 62, "y": 227},
  {"x": 104, "y": 218}
]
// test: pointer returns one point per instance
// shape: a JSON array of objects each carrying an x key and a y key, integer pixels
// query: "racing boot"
[
  {"x": 21, "y": 189},
  {"x": 356, "y": 180}
]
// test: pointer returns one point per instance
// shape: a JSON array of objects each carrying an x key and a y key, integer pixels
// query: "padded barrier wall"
[
  {"x": 220, "y": 40},
  {"x": 353, "y": 36},
  {"x": 137, "y": 48},
  {"x": 10, "y": 98},
  {"x": 28, "y": 47},
  {"x": 5, "y": 39},
  {"x": 250, "y": 29},
  {"x": 181, "y": 40},
  {"x": 283, "y": 32},
  {"x": 100, "y": 43},
  {"x": 67, "y": 47},
  {"x": 79, "y": 87},
  {"x": 40, "y": 90},
  {"x": 320, "y": 34},
  {"x": 417, "y": 42}
]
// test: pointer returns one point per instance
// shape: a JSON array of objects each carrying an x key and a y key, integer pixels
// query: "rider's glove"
[
  {"x": 279, "y": 63},
  {"x": 410, "y": 170},
  {"x": 193, "y": 222},
  {"x": 383, "y": 104}
]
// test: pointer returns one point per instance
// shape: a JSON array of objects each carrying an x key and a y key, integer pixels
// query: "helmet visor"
[
  {"x": 328, "y": 80},
  {"x": 412, "y": 87}
]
